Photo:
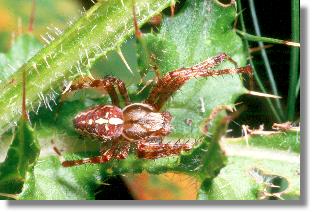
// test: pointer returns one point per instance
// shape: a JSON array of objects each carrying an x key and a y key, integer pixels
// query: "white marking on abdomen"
[
  {"x": 101, "y": 121},
  {"x": 115, "y": 121},
  {"x": 106, "y": 127}
]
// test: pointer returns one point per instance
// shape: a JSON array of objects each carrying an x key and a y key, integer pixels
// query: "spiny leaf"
[
  {"x": 50, "y": 181},
  {"x": 268, "y": 168},
  {"x": 21, "y": 157},
  {"x": 285, "y": 141}
]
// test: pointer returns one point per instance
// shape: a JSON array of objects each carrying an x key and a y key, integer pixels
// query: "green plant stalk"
[
  {"x": 262, "y": 88},
  {"x": 298, "y": 87},
  {"x": 258, "y": 80},
  {"x": 265, "y": 58},
  {"x": 101, "y": 29},
  {"x": 294, "y": 60},
  {"x": 266, "y": 39}
]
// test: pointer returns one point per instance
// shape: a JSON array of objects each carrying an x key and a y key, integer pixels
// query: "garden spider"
[{"x": 142, "y": 124}]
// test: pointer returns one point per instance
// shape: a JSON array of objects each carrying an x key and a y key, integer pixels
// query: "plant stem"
[
  {"x": 262, "y": 88},
  {"x": 266, "y": 39},
  {"x": 255, "y": 74},
  {"x": 265, "y": 58},
  {"x": 297, "y": 88},
  {"x": 294, "y": 60}
]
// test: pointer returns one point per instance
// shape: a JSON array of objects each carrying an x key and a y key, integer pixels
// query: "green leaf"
[
  {"x": 50, "y": 181},
  {"x": 20, "y": 159},
  {"x": 24, "y": 47},
  {"x": 268, "y": 168}
]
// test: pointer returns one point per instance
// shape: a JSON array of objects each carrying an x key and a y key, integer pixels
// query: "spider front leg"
[
  {"x": 154, "y": 148},
  {"x": 172, "y": 81},
  {"x": 145, "y": 55},
  {"x": 106, "y": 85},
  {"x": 107, "y": 156},
  {"x": 119, "y": 150}
]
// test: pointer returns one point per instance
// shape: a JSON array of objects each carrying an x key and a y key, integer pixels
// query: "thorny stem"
[
  {"x": 265, "y": 58},
  {"x": 255, "y": 74},
  {"x": 294, "y": 60}
]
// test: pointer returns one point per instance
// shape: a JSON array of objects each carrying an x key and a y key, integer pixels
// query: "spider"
[{"x": 141, "y": 124}]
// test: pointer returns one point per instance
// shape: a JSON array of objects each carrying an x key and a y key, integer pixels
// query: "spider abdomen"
[{"x": 103, "y": 121}]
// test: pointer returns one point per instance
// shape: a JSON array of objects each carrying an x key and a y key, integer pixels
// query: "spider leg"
[
  {"x": 138, "y": 33},
  {"x": 213, "y": 114},
  {"x": 151, "y": 149},
  {"x": 172, "y": 81},
  {"x": 106, "y": 85},
  {"x": 97, "y": 159},
  {"x": 123, "y": 151},
  {"x": 140, "y": 39},
  {"x": 172, "y": 7},
  {"x": 119, "y": 150}
]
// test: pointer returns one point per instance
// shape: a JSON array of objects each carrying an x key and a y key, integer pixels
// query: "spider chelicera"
[{"x": 141, "y": 124}]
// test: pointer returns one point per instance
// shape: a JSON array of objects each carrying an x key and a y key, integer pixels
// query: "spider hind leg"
[{"x": 154, "y": 150}]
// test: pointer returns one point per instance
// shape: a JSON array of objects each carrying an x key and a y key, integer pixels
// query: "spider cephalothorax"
[
  {"x": 142, "y": 121},
  {"x": 143, "y": 124}
]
